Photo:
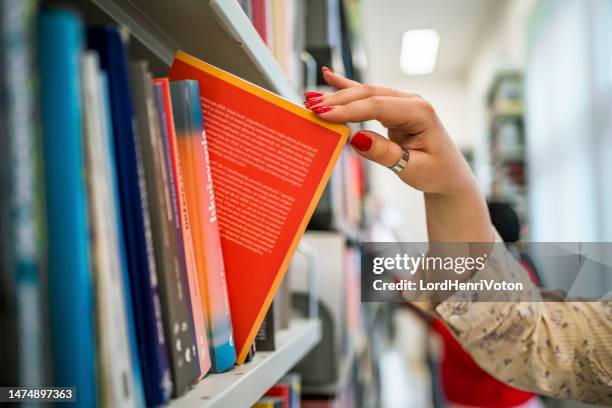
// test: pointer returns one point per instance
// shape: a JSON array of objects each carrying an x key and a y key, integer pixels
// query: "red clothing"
[{"x": 465, "y": 383}]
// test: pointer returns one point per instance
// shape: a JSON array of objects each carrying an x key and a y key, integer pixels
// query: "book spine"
[
  {"x": 185, "y": 242},
  {"x": 174, "y": 230},
  {"x": 260, "y": 19},
  {"x": 265, "y": 338},
  {"x": 153, "y": 355},
  {"x": 116, "y": 381},
  {"x": 121, "y": 254},
  {"x": 70, "y": 286},
  {"x": 177, "y": 320},
  {"x": 193, "y": 155},
  {"x": 21, "y": 212}
]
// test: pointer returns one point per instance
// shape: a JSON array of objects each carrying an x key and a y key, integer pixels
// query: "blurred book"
[
  {"x": 288, "y": 388},
  {"x": 265, "y": 338},
  {"x": 340, "y": 208},
  {"x": 60, "y": 37},
  {"x": 175, "y": 303},
  {"x": 200, "y": 200},
  {"x": 152, "y": 345},
  {"x": 23, "y": 291},
  {"x": 261, "y": 16},
  {"x": 265, "y": 189},
  {"x": 115, "y": 369},
  {"x": 269, "y": 402},
  {"x": 281, "y": 26},
  {"x": 176, "y": 195}
]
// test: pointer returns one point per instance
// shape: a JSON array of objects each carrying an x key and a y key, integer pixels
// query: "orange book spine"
[{"x": 200, "y": 202}]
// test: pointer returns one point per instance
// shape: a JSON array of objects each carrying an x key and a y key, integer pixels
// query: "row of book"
[
  {"x": 304, "y": 35},
  {"x": 135, "y": 314},
  {"x": 122, "y": 275},
  {"x": 327, "y": 32},
  {"x": 280, "y": 25}
]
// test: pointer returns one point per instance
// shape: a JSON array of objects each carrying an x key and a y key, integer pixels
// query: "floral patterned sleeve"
[{"x": 559, "y": 349}]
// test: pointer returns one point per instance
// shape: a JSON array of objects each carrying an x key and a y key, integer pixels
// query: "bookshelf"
[
  {"x": 244, "y": 385},
  {"x": 507, "y": 141},
  {"x": 219, "y": 32},
  {"x": 347, "y": 363},
  {"x": 216, "y": 31}
]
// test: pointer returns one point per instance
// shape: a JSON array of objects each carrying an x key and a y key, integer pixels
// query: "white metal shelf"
[
  {"x": 244, "y": 385},
  {"x": 216, "y": 31}
]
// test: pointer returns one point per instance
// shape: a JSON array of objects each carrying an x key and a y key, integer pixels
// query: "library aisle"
[{"x": 180, "y": 226}]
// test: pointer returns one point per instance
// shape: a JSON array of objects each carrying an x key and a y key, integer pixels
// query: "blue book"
[
  {"x": 70, "y": 287},
  {"x": 138, "y": 387},
  {"x": 152, "y": 347}
]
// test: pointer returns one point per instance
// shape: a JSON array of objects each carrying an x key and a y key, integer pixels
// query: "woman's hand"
[
  {"x": 435, "y": 164},
  {"x": 456, "y": 210}
]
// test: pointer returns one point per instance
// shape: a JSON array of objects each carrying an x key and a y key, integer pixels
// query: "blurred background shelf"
[
  {"x": 244, "y": 385},
  {"x": 335, "y": 388},
  {"x": 216, "y": 31}
]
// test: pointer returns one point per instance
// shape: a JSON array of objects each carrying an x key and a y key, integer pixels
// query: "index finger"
[
  {"x": 336, "y": 80},
  {"x": 411, "y": 114}
]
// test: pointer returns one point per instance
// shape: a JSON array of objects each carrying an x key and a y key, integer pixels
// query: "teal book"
[{"x": 60, "y": 40}]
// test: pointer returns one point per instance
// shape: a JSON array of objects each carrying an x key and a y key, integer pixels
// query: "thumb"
[{"x": 376, "y": 148}]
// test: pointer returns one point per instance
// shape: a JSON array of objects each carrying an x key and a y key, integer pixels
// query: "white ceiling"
[{"x": 462, "y": 25}]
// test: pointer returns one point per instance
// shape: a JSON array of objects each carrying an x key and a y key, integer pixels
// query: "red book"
[
  {"x": 270, "y": 160},
  {"x": 260, "y": 19},
  {"x": 192, "y": 271},
  {"x": 281, "y": 391}
]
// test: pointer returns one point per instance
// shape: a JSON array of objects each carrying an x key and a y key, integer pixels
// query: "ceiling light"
[{"x": 419, "y": 51}]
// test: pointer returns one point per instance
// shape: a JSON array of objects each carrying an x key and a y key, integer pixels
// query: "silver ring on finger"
[{"x": 401, "y": 163}]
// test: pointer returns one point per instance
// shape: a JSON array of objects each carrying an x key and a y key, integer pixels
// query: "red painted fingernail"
[
  {"x": 361, "y": 141},
  {"x": 322, "y": 109},
  {"x": 312, "y": 94},
  {"x": 312, "y": 102},
  {"x": 326, "y": 69}
]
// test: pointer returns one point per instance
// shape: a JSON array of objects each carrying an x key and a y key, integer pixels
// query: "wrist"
[{"x": 460, "y": 215}]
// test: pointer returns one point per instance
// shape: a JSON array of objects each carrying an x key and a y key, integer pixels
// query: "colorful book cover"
[
  {"x": 152, "y": 346},
  {"x": 114, "y": 360},
  {"x": 270, "y": 160},
  {"x": 60, "y": 39},
  {"x": 199, "y": 194},
  {"x": 175, "y": 302},
  {"x": 294, "y": 382},
  {"x": 269, "y": 402},
  {"x": 281, "y": 391},
  {"x": 177, "y": 195}
]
